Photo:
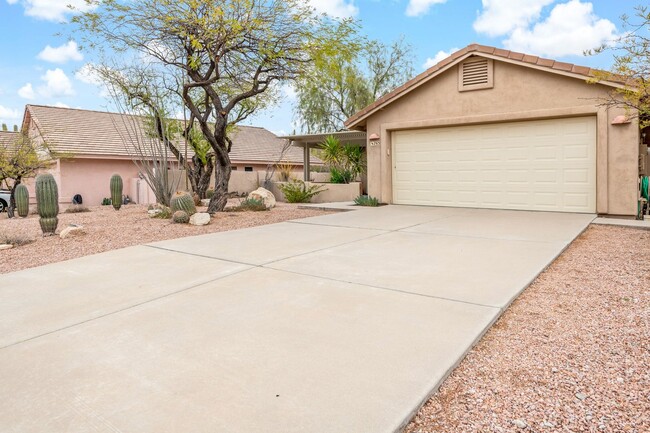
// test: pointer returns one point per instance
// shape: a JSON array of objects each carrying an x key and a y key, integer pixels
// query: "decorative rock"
[
  {"x": 205, "y": 202},
  {"x": 581, "y": 396},
  {"x": 71, "y": 230},
  {"x": 154, "y": 212},
  {"x": 200, "y": 219},
  {"x": 265, "y": 196},
  {"x": 546, "y": 424},
  {"x": 6, "y": 247},
  {"x": 520, "y": 423}
]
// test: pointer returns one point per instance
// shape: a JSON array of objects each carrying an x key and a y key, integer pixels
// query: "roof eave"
[{"x": 359, "y": 122}]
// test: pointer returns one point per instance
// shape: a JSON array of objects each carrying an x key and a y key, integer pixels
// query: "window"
[
  {"x": 234, "y": 168},
  {"x": 248, "y": 168},
  {"x": 475, "y": 73}
]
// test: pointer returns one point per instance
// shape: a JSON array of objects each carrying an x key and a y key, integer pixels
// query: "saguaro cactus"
[
  {"x": 47, "y": 199},
  {"x": 116, "y": 191},
  {"x": 21, "y": 195},
  {"x": 183, "y": 201}
]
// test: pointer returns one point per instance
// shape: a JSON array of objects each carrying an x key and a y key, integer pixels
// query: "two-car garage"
[
  {"x": 547, "y": 165},
  {"x": 491, "y": 128}
]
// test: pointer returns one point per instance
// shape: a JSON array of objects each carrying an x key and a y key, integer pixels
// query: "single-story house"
[
  {"x": 93, "y": 149},
  {"x": 491, "y": 128}
]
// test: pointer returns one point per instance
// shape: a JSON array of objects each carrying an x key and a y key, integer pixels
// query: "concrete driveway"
[{"x": 337, "y": 323}]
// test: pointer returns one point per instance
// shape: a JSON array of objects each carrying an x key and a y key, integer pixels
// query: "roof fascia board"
[{"x": 465, "y": 56}]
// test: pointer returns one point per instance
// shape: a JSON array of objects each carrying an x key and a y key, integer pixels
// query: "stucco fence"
[
  {"x": 242, "y": 183},
  {"x": 331, "y": 192}
]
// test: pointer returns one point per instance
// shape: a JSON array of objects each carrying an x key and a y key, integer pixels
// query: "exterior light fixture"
[{"x": 620, "y": 120}]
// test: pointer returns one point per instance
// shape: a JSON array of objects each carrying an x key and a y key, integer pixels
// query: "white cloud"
[
  {"x": 61, "y": 54},
  {"x": 7, "y": 115},
  {"x": 570, "y": 29},
  {"x": 27, "y": 91},
  {"x": 500, "y": 17},
  {"x": 61, "y": 105},
  {"x": 420, "y": 7},
  {"x": 57, "y": 84},
  {"x": 85, "y": 74},
  {"x": 336, "y": 8},
  {"x": 440, "y": 55},
  {"x": 52, "y": 10}
]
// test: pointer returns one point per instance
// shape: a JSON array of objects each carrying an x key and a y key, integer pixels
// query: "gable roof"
[
  {"x": 527, "y": 60},
  {"x": 100, "y": 133},
  {"x": 7, "y": 138}
]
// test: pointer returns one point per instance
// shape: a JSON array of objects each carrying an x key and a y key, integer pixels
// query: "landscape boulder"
[
  {"x": 6, "y": 247},
  {"x": 263, "y": 195},
  {"x": 71, "y": 230},
  {"x": 200, "y": 219}
]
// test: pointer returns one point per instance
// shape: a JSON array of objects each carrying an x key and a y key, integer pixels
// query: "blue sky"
[{"x": 39, "y": 67}]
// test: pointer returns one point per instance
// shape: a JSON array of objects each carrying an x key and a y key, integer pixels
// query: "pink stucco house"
[{"x": 93, "y": 149}]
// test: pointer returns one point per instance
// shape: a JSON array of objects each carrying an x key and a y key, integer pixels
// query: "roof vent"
[{"x": 475, "y": 73}]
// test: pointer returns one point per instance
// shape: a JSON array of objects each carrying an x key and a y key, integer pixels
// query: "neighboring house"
[
  {"x": 6, "y": 138},
  {"x": 92, "y": 147},
  {"x": 490, "y": 128}
]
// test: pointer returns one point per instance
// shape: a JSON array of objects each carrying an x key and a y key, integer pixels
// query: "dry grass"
[
  {"x": 571, "y": 354},
  {"x": 107, "y": 229}
]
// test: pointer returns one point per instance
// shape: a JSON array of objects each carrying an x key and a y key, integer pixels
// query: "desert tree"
[
  {"x": 22, "y": 159},
  {"x": 340, "y": 85},
  {"x": 631, "y": 53},
  {"x": 155, "y": 97},
  {"x": 230, "y": 54}
]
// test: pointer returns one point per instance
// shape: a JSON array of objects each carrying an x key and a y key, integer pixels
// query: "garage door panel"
[{"x": 535, "y": 165}]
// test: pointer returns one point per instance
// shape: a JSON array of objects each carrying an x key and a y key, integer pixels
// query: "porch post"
[{"x": 306, "y": 162}]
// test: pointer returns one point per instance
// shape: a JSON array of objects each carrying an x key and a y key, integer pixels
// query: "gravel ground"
[
  {"x": 107, "y": 230},
  {"x": 571, "y": 354}
]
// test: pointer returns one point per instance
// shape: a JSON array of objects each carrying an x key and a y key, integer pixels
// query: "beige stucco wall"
[
  {"x": 519, "y": 93},
  {"x": 331, "y": 192}
]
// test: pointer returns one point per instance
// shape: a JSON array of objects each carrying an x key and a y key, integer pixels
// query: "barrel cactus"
[
  {"x": 181, "y": 217},
  {"x": 21, "y": 195},
  {"x": 47, "y": 200},
  {"x": 116, "y": 191},
  {"x": 183, "y": 201}
]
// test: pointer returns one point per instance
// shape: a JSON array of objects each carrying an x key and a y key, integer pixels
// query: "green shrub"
[
  {"x": 297, "y": 191},
  {"x": 366, "y": 200},
  {"x": 340, "y": 176},
  {"x": 209, "y": 193},
  {"x": 15, "y": 239},
  {"x": 77, "y": 208},
  {"x": 251, "y": 205},
  {"x": 106, "y": 201},
  {"x": 165, "y": 213},
  {"x": 180, "y": 217}
]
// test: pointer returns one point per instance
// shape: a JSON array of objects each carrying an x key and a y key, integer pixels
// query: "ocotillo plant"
[
  {"x": 47, "y": 200},
  {"x": 116, "y": 191}
]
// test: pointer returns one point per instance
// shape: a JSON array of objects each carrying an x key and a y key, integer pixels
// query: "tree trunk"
[
  {"x": 200, "y": 175},
  {"x": 12, "y": 198},
  {"x": 222, "y": 172}
]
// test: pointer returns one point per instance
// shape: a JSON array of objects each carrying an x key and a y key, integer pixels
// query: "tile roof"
[
  {"x": 7, "y": 138},
  {"x": 86, "y": 132},
  {"x": 476, "y": 49}
]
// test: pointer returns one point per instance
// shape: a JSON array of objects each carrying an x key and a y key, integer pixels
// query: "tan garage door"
[{"x": 545, "y": 165}]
